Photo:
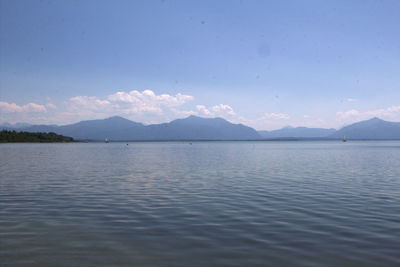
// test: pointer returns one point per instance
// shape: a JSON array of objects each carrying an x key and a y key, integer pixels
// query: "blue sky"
[{"x": 267, "y": 64}]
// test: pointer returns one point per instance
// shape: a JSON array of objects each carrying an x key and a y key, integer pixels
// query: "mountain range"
[
  {"x": 196, "y": 128},
  {"x": 298, "y": 132},
  {"x": 370, "y": 129},
  {"x": 120, "y": 129}
]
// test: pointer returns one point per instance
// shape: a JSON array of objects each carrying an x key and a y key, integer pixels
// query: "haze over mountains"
[
  {"x": 120, "y": 129},
  {"x": 298, "y": 132},
  {"x": 196, "y": 128},
  {"x": 374, "y": 128}
]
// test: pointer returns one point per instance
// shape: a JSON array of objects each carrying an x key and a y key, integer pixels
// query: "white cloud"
[
  {"x": 149, "y": 98},
  {"x": 203, "y": 110},
  {"x": 90, "y": 102},
  {"x": 390, "y": 112},
  {"x": 352, "y": 100},
  {"x": 349, "y": 113},
  {"x": 145, "y": 106},
  {"x": 51, "y": 106},
  {"x": 128, "y": 103},
  {"x": 12, "y": 107},
  {"x": 275, "y": 116},
  {"x": 353, "y": 115},
  {"x": 222, "y": 109},
  {"x": 149, "y": 107}
]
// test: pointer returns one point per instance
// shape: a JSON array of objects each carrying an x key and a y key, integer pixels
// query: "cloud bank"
[
  {"x": 148, "y": 107},
  {"x": 133, "y": 102},
  {"x": 392, "y": 112},
  {"x": 221, "y": 110},
  {"x": 14, "y": 108}
]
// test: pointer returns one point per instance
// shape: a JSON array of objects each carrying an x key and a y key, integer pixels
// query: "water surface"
[{"x": 205, "y": 204}]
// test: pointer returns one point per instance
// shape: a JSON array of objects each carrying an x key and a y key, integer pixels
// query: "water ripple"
[{"x": 209, "y": 204}]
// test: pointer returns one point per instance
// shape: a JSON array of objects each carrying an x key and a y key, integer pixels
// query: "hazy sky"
[{"x": 267, "y": 64}]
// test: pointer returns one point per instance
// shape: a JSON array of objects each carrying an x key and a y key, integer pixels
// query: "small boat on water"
[
  {"x": 344, "y": 138},
  {"x": 106, "y": 140}
]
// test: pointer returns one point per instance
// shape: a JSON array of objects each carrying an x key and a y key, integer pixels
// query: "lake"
[{"x": 295, "y": 203}]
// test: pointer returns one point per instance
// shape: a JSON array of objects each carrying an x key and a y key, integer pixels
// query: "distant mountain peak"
[
  {"x": 115, "y": 118},
  {"x": 375, "y": 119},
  {"x": 202, "y": 118},
  {"x": 194, "y": 118},
  {"x": 374, "y": 128},
  {"x": 372, "y": 121},
  {"x": 199, "y": 128}
]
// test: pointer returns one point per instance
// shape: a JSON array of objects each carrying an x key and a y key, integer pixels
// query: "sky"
[{"x": 266, "y": 64}]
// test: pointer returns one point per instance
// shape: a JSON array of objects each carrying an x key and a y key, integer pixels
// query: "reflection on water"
[{"x": 209, "y": 204}]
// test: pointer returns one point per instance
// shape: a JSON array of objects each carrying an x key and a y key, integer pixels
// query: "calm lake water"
[{"x": 205, "y": 204}]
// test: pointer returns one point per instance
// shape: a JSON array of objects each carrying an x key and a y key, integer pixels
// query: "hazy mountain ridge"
[
  {"x": 118, "y": 129},
  {"x": 297, "y": 132},
  {"x": 197, "y": 128},
  {"x": 374, "y": 128},
  {"x": 17, "y": 125},
  {"x": 203, "y": 129}
]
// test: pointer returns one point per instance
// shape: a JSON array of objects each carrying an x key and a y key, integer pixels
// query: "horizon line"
[{"x": 119, "y": 116}]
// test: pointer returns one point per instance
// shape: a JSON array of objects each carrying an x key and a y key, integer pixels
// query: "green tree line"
[{"x": 13, "y": 137}]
